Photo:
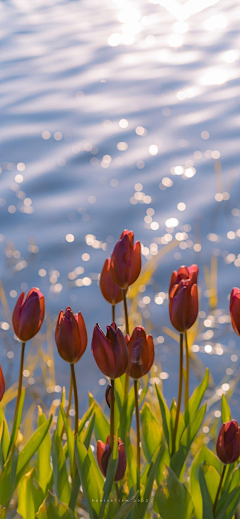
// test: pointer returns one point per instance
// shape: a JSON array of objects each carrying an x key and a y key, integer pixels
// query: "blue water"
[{"x": 101, "y": 101}]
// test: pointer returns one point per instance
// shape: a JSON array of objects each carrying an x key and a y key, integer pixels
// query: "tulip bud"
[
  {"x": 104, "y": 454},
  {"x": 183, "y": 273},
  {"x": 28, "y": 314},
  {"x": 141, "y": 353},
  {"x": 235, "y": 309},
  {"x": 126, "y": 260},
  {"x": 110, "y": 351},
  {"x": 109, "y": 289},
  {"x": 108, "y": 395},
  {"x": 183, "y": 305},
  {"x": 71, "y": 336},
  {"x": 228, "y": 442},
  {"x": 2, "y": 384}
]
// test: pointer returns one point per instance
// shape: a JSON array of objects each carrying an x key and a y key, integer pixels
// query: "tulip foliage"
[{"x": 136, "y": 457}]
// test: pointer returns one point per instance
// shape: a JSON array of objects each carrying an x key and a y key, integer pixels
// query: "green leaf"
[
  {"x": 207, "y": 503},
  {"x": 5, "y": 440},
  {"x": 196, "y": 399},
  {"x": 30, "y": 448},
  {"x": 44, "y": 470},
  {"x": 151, "y": 435},
  {"x": 126, "y": 415},
  {"x": 17, "y": 421},
  {"x": 86, "y": 437},
  {"x": 226, "y": 411},
  {"x": 3, "y": 513},
  {"x": 181, "y": 423},
  {"x": 165, "y": 416},
  {"x": 228, "y": 510},
  {"x": 60, "y": 417},
  {"x": 87, "y": 415},
  {"x": 70, "y": 438},
  {"x": 203, "y": 455},
  {"x": 165, "y": 460},
  {"x": 30, "y": 496},
  {"x": 89, "y": 480},
  {"x": 172, "y": 499},
  {"x": 60, "y": 474},
  {"x": 132, "y": 468},
  {"x": 111, "y": 471},
  {"x": 126, "y": 508},
  {"x": 101, "y": 426},
  {"x": 8, "y": 477},
  {"x": 54, "y": 509},
  {"x": 152, "y": 472},
  {"x": 188, "y": 436}
]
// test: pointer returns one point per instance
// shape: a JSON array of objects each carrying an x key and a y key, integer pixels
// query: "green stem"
[
  {"x": 186, "y": 396},
  {"x": 113, "y": 313},
  {"x": 118, "y": 495},
  {"x": 20, "y": 378},
  {"x": 138, "y": 435},
  {"x": 112, "y": 416},
  {"x": 179, "y": 394},
  {"x": 127, "y": 332},
  {"x": 75, "y": 397},
  {"x": 70, "y": 396},
  {"x": 219, "y": 489}
]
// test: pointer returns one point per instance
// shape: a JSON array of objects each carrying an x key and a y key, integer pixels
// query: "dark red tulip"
[
  {"x": 183, "y": 305},
  {"x": 141, "y": 353},
  {"x": 109, "y": 289},
  {"x": 28, "y": 314},
  {"x": 110, "y": 351},
  {"x": 235, "y": 309},
  {"x": 71, "y": 336},
  {"x": 104, "y": 454},
  {"x": 126, "y": 260},
  {"x": 183, "y": 273},
  {"x": 2, "y": 384},
  {"x": 228, "y": 442}
]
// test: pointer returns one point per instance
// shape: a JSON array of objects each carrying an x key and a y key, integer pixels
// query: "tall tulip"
[
  {"x": 27, "y": 320},
  {"x": 235, "y": 309},
  {"x": 2, "y": 384},
  {"x": 104, "y": 454},
  {"x": 126, "y": 260},
  {"x": 228, "y": 450},
  {"x": 110, "y": 291}
]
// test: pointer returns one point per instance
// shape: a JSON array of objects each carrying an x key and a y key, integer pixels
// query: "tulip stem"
[
  {"x": 179, "y": 394},
  {"x": 127, "y": 332},
  {"x": 112, "y": 416},
  {"x": 113, "y": 313},
  {"x": 138, "y": 435},
  {"x": 70, "y": 396},
  {"x": 20, "y": 378},
  {"x": 186, "y": 397},
  {"x": 219, "y": 489},
  {"x": 74, "y": 383},
  {"x": 118, "y": 495}
]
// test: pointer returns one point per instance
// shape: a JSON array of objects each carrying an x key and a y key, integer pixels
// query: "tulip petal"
[
  {"x": 31, "y": 317},
  {"x": 110, "y": 291},
  {"x": 2, "y": 384},
  {"x": 119, "y": 266},
  {"x": 17, "y": 313},
  {"x": 103, "y": 352},
  {"x": 135, "y": 263}
]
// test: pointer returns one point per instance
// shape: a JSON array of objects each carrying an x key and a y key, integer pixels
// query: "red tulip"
[
  {"x": 141, "y": 353},
  {"x": 228, "y": 442},
  {"x": 104, "y": 454},
  {"x": 183, "y": 273},
  {"x": 28, "y": 315},
  {"x": 235, "y": 309},
  {"x": 126, "y": 260},
  {"x": 110, "y": 351},
  {"x": 2, "y": 384},
  {"x": 183, "y": 305},
  {"x": 111, "y": 291},
  {"x": 71, "y": 336}
]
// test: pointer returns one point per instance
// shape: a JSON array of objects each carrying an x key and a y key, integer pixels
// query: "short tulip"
[
  {"x": 228, "y": 442},
  {"x": 126, "y": 260},
  {"x": 104, "y": 454},
  {"x": 2, "y": 384},
  {"x": 235, "y": 309},
  {"x": 28, "y": 315},
  {"x": 183, "y": 305},
  {"x": 109, "y": 289},
  {"x": 141, "y": 353},
  {"x": 183, "y": 273},
  {"x": 71, "y": 336},
  {"x": 110, "y": 351}
]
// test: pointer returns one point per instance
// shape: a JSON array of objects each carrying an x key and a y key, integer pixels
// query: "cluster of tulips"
[{"x": 131, "y": 355}]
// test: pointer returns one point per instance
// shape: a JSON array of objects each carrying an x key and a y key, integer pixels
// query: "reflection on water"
[{"x": 120, "y": 114}]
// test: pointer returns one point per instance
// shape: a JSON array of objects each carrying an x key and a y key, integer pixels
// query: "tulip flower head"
[
  {"x": 109, "y": 289},
  {"x": 125, "y": 263},
  {"x": 71, "y": 336},
  {"x": 228, "y": 442},
  {"x": 235, "y": 309},
  {"x": 110, "y": 351},
  {"x": 141, "y": 353},
  {"x": 104, "y": 454},
  {"x": 2, "y": 384},
  {"x": 28, "y": 314},
  {"x": 183, "y": 273},
  {"x": 183, "y": 305}
]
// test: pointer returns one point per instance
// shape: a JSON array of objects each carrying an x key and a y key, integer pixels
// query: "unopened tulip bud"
[
  {"x": 110, "y": 351},
  {"x": 104, "y": 454},
  {"x": 235, "y": 309},
  {"x": 28, "y": 314},
  {"x": 183, "y": 273},
  {"x": 2, "y": 384},
  {"x": 228, "y": 442},
  {"x": 109, "y": 289},
  {"x": 183, "y": 305},
  {"x": 126, "y": 260},
  {"x": 71, "y": 336},
  {"x": 141, "y": 353}
]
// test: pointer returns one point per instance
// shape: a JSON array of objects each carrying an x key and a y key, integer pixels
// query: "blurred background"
[{"x": 119, "y": 114}]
